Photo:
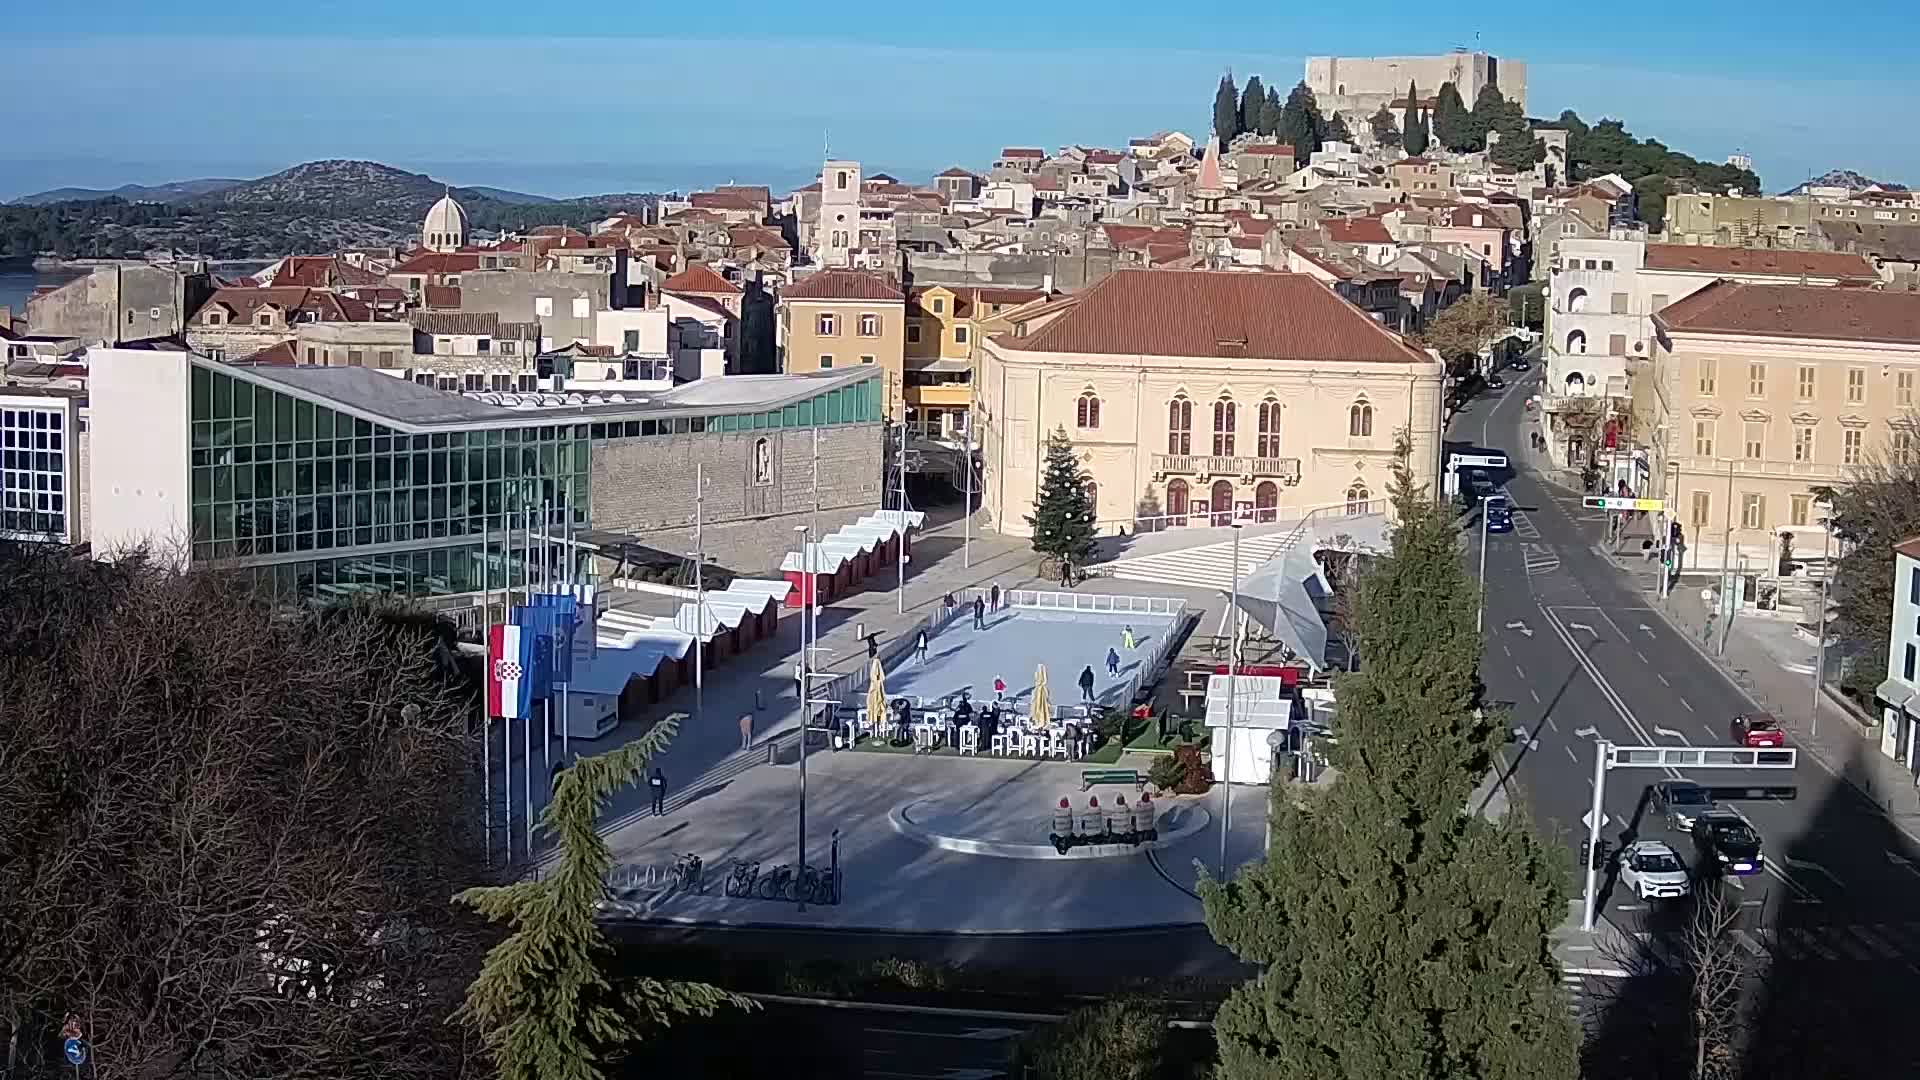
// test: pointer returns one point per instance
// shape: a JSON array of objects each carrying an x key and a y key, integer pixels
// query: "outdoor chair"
[
  {"x": 998, "y": 744},
  {"x": 1056, "y": 745},
  {"x": 970, "y": 740},
  {"x": 1029, "y": 744}
]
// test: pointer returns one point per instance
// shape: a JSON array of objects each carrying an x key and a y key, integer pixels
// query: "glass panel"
[
  {"x": 243, "y": 392},
  {"x": 805, "y": 412},
  {"x": 323, "y": 427},
  {"x": 303, "y": 420},
  {"x": 222, "y": 396},
  {"x": 202, "y": 393}
]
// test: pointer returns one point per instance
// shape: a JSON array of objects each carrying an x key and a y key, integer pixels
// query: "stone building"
[
  {"x": 445, "y": 227},
  {"x": 122, "y": 305},
  {"x": 1361, "y": 85},
  {"x": 845, "y": 318},
  {"x": 238, "y": 322}
]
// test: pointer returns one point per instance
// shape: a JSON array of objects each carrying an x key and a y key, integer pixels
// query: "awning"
[{"x": 1894, "y": 692}]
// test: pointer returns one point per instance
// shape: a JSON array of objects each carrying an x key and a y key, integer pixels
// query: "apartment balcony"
[{"x": 1208, "y": 466}]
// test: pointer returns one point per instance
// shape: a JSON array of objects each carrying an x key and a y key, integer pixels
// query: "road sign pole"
[{"x": 1594, "y": 818}]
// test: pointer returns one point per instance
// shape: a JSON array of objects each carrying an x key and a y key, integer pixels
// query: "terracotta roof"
[
  {"x": 843, "y": 285},
  {"x": 699, "y": 278},
  {"x": 1022, "y": 152},
  {"x": 956, "y": 171},
  {"x": 1266, "y": 150},
  {"x": 1218, "y": 314},
  {"x": 724, "y": 200},
  {"x": 448, "y": 323},
  {"x": 1798, "y": 311},
  {"x": 443, "y": 297},
  {"x": 438, "y": 262},
  {"x": 1722, "y": 260},
  {"x": 283, "y": 354},
  {"x": 705, "y": 303},
  {"x": 1910, "y": 547},
  {"x": 1105, "y": 157},
  {"x": 322, "y": 272},
  {"x": 1360, "y": 230},
  {"x": 294, "y": 301},
  {"x": 749, "y": 235},
  {"x": 761, "y": 192}
]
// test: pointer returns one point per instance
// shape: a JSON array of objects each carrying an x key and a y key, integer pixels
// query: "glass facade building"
[
  {"x": 319, "y": 499},
  {"x": 35, "y": 445}
]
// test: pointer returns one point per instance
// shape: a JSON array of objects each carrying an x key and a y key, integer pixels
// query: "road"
[{"x": 1580, "y": 654}]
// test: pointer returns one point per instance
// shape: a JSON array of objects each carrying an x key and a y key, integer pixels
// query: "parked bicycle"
[
  {"x": 741, "y": 881},
  {"x": 778, "y": 883},
  {"x": 689, "y": 873}
]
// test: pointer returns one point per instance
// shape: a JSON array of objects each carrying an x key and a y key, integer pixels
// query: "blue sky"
[{"x": 562, "y": 97}]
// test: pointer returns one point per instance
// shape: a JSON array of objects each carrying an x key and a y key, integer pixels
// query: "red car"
[{"x": 1758, "y": 731}]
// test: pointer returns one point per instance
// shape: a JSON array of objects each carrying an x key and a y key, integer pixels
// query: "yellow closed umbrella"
[
  {"x": 1042, "y": 707},
  {"x": 877, "y": 696}
]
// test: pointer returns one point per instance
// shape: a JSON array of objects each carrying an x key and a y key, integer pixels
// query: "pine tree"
[
  {"x": 1413, "y": 126},
  {"x": 542, "y": 1000},
  {"x": 1490, "y": 108},
  {"x": 1450, "y": 120},
  {"x": 1517, "y": 147},
  {"x": 1226, "y": 111},
  {"x": 1270, "y": 112},
  {"x": 1253, "y": 100},
  {"x": 1400, "y": 937},
  {"x": 1062, "y": 517},
  {"x": 1385, "y": 131},
  {"x": 1300, "y": 123}
]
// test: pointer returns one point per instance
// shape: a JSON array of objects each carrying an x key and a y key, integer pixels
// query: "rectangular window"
[
  {"x": 959, "y": 335},
  {"x": 1757, "y": 380},
  {"x": 1803, "y": 442},
  {"x": 1850, "y": 447},
  {"x": 1798, "y": 507},
  {"x": 1903, "y": 388},
  {"x": 1753, "y": 511},
  {"x": 630, "y": 341},
  {"x": 826, "y": 361},
  {"x": 1703, "y": 438},
  {"x": 1803, "y": 389},
  {"x": 826, "y": 325},
  {"x": 582, "y": 308},
  {"x": 1659, "y": 301},
  {"x": 1616, "y": 344},
  {"x": 1913, "y": 587},
  {"x": 1908, "y": 669},
  {"x": 913, "y": 334},
  {"x": 866, "y": 359},
  {"x": 543, "y": 305},
  {"x": 1702, "y": 506},
  {"x": 1756, "y": 440},
  {"x": 1856, "y": 385},
  {"x": 869, "y": 325},
  {"x": 1707, "y": 376},
  {"x": 1902, "y": 446},
  {"x": 1620, "y": 303}
]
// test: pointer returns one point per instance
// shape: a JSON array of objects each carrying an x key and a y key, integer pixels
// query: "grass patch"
[{"x": 1148, "y": 741}]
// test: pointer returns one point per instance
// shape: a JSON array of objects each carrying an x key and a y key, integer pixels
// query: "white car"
[{"x": 1653, "y": 871}]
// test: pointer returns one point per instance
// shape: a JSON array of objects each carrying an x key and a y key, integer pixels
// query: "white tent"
[{"x": 1262, "y": 713}]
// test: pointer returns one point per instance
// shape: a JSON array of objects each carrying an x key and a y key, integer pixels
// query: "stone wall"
[
  {"x": 120, "y": 303},
  {"x": 1068, "y": 273},
  {"x": 644, "y": 487}
]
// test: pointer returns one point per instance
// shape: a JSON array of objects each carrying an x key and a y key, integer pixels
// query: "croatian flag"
[{"x": 510, "y": 671}]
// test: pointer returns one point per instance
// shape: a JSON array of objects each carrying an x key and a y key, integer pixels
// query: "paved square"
[{"x": 1018, "y": 641}]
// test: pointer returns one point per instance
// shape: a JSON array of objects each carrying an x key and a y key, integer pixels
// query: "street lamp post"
[
  {"x": 1820, "y": 620},
  {"x": 812, "y": 597},
  {"x": 1233, "y": 677},
  {"x": 1480, "y": 614}
]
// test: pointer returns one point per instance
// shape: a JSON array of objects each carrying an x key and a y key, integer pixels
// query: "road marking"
[
  {"x": 989, "y": 1034},
  {"x": 1647, "y": 630},
  {"x": 1506, "y": 650},
  {"x": 1551, "y": 724},
  {"x": 1904, "y": 863},
  {"x": 1800, "y": 891},
  {"x": 1629, "y": 907},
  {"x": 1581, "y": 626},
  {"x": 1804, "y": 864},
  {"x": 1683, "y": 702},
  {"x": 1576, "y": 759},
  {"x": 1536, "y": 701},
  {"x": 1753, "y": 903},
  {"x": 1662, "y": 678},
  {"x": 1669, "y": 733},
  {"x": 1522, "y": 671},
  {"x": 1641, "y": 655},
  {"x": 1746, "y": 940},
  {"x": 1586, "y": 732},
  {"x": 1524, "y": 629}
]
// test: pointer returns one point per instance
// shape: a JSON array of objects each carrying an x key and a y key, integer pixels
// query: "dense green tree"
[
  {"x": 1300, "y": 123},
  {"x": 1385, "y": 131},
  {"x": 1650, "y": 199},
  {"x": 1399, "y": 937},
  {"x": 1516, "y": 147},
  {"x": 1450, "y": 120},
  {"x": 1336, "y": 130},
  {"x": 1114, "y": 1040},
  {"x": 1489, "y": 107},
  {"x": 1877, "y": 507},
  {"x": 1270, "y": 112},
  {"x": 543, "y": 1001},
  {"x": 1413, "y": 125},
  {"x": 1062, "y": 518},
  {"x": 1253, "y": 101},
  {"x": 1226, "y": 111}
]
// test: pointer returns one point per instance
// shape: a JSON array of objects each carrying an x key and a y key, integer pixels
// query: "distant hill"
[
  {"x": 177, "y": 191},
  {"x": 518, "y": 198},
  {"x": 1844, "y": 178}
]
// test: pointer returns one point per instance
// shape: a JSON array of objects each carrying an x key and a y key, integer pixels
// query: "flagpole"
[
  {"x": 526, "y": 717},
  {"x": 546, "y": 708},
  {"x": 486, "y": 721},
  {"x": 566, "y": 580}
]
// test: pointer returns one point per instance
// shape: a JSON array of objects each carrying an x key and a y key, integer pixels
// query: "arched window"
[
  {"x": 1086, "y": 412},
  {"x": 1577, "y": 300},
  {"x": 1577, "y": 342},
  {"x": 1176, "y": 502},
  {"x": 1226, "y": 417},
  {"x": 1266, "y": 502},
  {"x": 1360, "y": 420},
  {"x": 762, "y": 462},
  {"x": 1269, "y": 429},
  {"x": 1180, "y": 427},
  {"x": 1221, "y": 502},
  {"x": 1358, "y": 498}
]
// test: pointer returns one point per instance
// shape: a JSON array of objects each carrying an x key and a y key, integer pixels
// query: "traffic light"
[
  {"x": 1679, "y": 537},
  {"x": 1586, "y": 853},
  {"x": 1600, "y": 855}
]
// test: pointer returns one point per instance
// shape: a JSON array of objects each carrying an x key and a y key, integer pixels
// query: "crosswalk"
[
  {"x": 1540, "y": 559},
  {"x": 1205, "y": 566},
  {"x": 1881, "y": 942}
]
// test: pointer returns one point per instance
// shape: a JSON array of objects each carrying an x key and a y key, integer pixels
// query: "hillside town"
[{"x": 1113, "y": 387}]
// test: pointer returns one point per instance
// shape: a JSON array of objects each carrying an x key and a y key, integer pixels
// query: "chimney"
[{"x": 1046, "y": 284}]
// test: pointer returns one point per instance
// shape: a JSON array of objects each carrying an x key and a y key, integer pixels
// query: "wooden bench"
[{"x": 1091, "y": 778}]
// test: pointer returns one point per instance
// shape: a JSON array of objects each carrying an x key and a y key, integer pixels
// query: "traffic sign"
[
  {"x": 1480, "y": 461},
  {"x": 76, "y": 1051},
  {"x": 1587, "y": 819},
  {"x": 1599, "y": 502}
]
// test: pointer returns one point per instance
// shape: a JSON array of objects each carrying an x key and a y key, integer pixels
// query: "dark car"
[
  {"x": 1499, "y": 515},
  {"x": 1495, "y": 382},
  {"x": 1520, "y": 365},
  {"x": 1757, "y": 731},
  {"x": 1725, "y": 844},
  {"x": 1679, "y": 802}
]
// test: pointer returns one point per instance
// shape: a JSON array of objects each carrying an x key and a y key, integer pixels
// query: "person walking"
[
  {"x": 920, "y": 647},
  {"x": 1127, "y": 640},
  {"x": 995, "y": 593},
  {"x": 1086, "y": 684},
  {"x": 746, "y": 730},
  {"x": 658, "y": 783},
  {"x": 1113, "y": 661},
  {"x": 979, "y": 614}
]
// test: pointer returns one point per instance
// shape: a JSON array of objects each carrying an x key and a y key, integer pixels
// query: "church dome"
[{"x": 446, "y": 226}]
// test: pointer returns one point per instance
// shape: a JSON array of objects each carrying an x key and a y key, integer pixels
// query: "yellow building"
[
  {"x": 1759, "y": 393},
  {"x": 1198, "y": 398},
  {"x": 842, "y": 318},
  {"x": 945, "y": 324}
]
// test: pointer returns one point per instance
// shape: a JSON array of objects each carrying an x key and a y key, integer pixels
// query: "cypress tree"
[
  {"x": 1450, "y": 122},
  {"x": 1413, "y": 126},
  {"x": 1270, "y": 112},
  {"x": 543, "y": 1001},
  {"x": 1400, "y": 937},
  {"x": 1253, "y": 101},
  {"x": 1226, "y": 111},
  {"x": 1300, "y": 123},
  {"x": 1062, "y": 517}
]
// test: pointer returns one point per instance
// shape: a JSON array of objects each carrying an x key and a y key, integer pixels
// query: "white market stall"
[{"x": 1262, "y": 715}]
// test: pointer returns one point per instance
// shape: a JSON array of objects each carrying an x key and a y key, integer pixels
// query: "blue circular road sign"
[{"x": 76, "y": 1051}]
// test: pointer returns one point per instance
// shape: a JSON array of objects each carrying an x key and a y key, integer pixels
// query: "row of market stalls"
[{"x": 839, "y": 562}]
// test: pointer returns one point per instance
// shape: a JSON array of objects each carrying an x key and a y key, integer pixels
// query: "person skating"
[
  {"x": 658, "y": 783},
  {"x": 979, "y": 614},
  {"x": 1086, "y": 684},
  {"x": 1113, "y": 661},
  {"x": 996, "y": 596},
  {"x": 1127, "y": 640},
  {"x": 999, "y": 689},
  {"x": 746, "y": 730},
  {"x": 920, "y": 647}
]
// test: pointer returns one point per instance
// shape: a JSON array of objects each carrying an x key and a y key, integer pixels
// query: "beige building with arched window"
[{"x": 1198, "y": 397}]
